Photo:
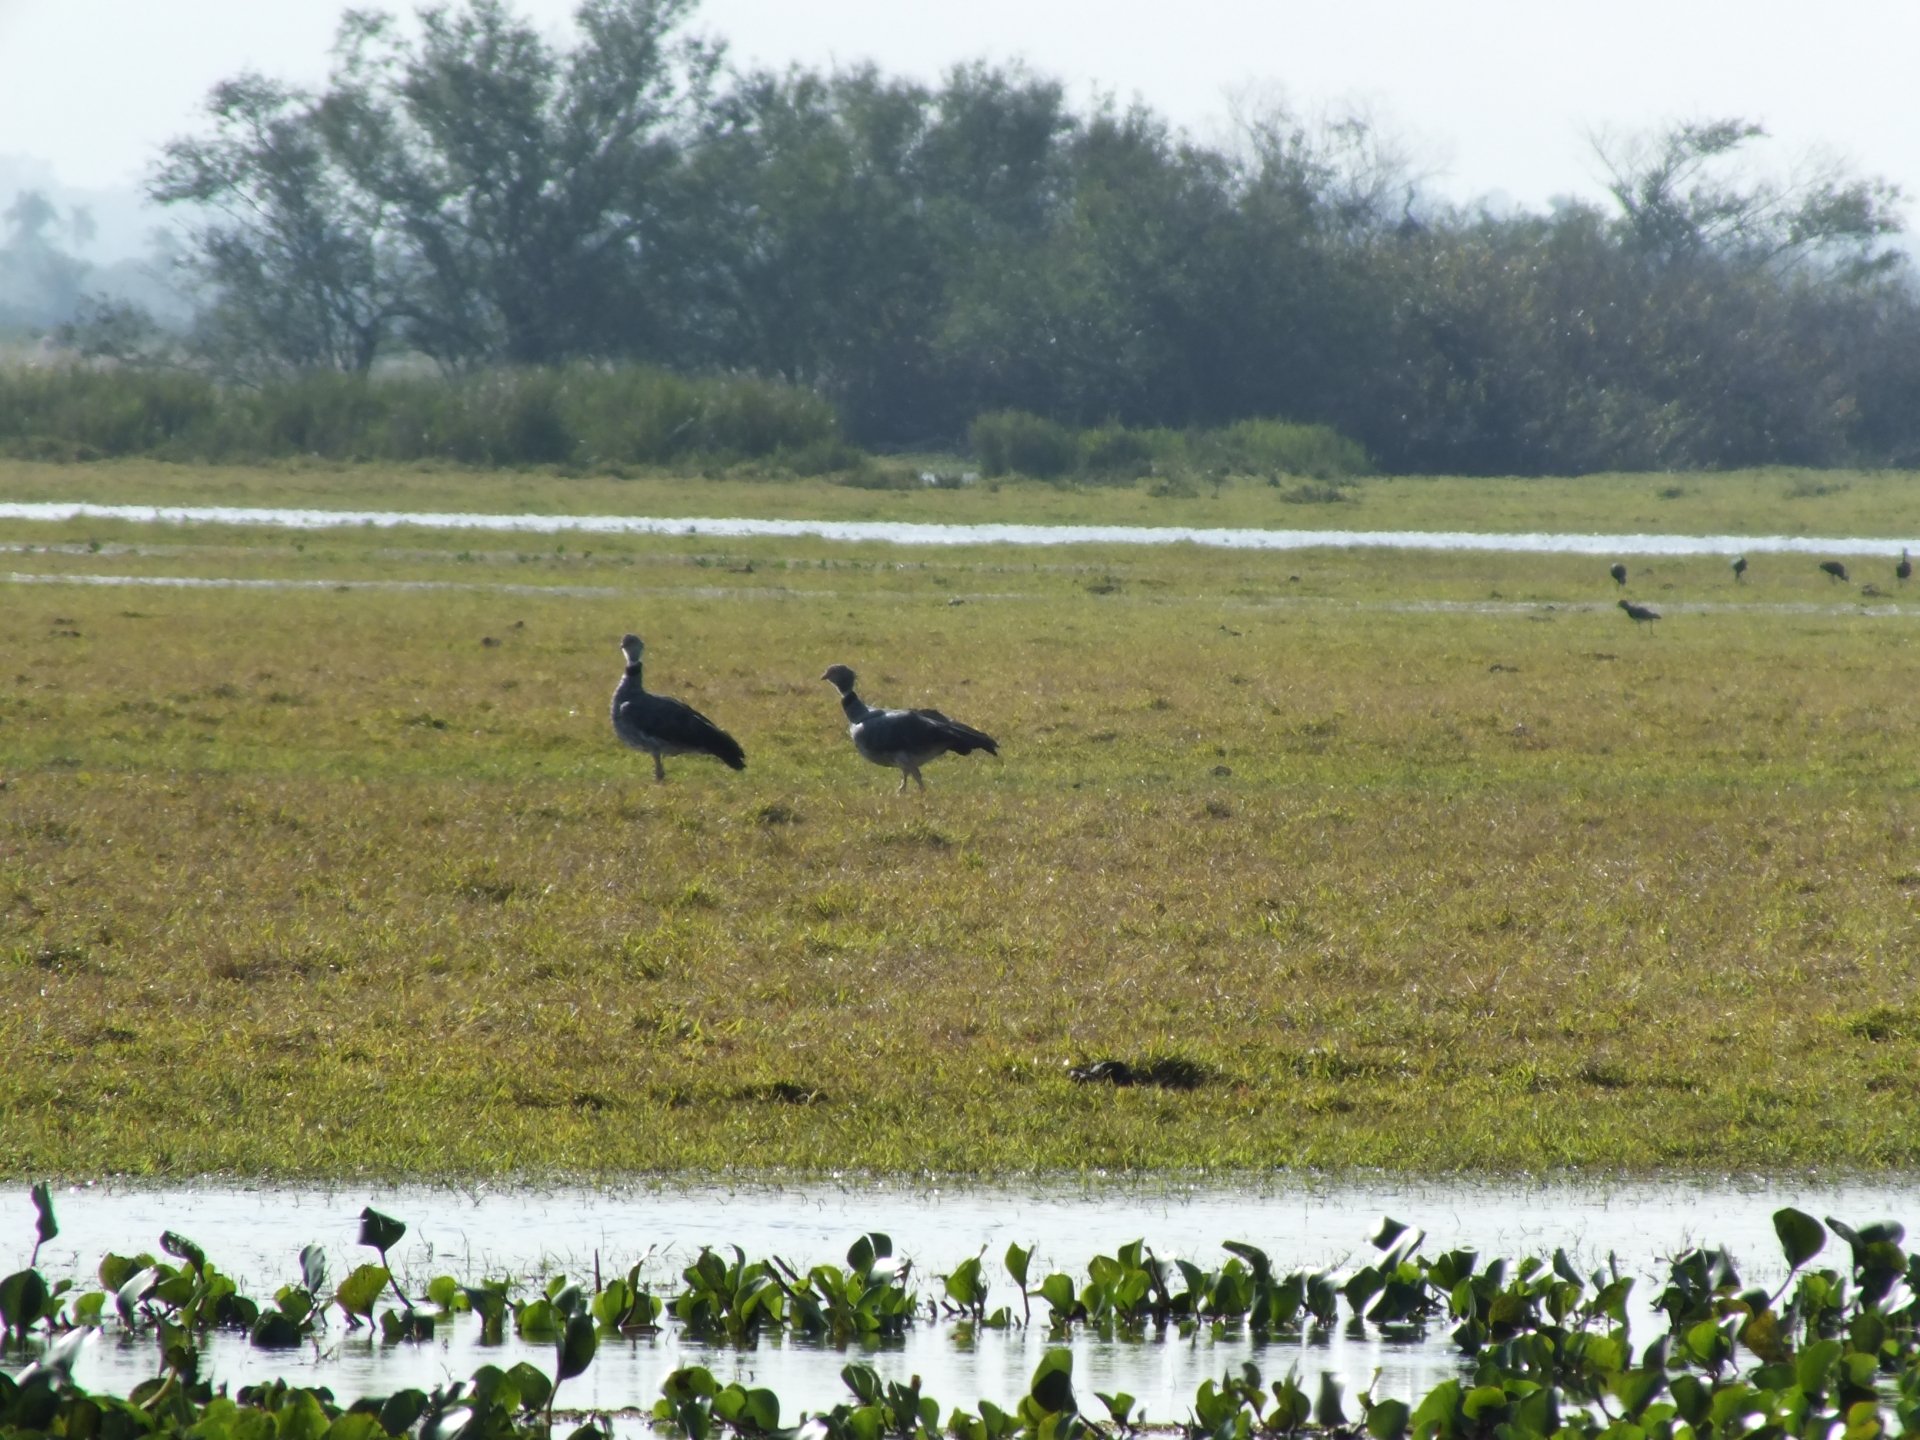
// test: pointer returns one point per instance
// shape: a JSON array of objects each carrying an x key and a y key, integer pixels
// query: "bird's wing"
[
  {"x": 680, "y": 723},
  {"x": 961, "y": 739}
]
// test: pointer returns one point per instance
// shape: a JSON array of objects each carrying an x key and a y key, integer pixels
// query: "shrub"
[
  {"x": 579, "y": 414},
  {"x": 1279, "y": 447},
  {"x": 1115, "y": 453},
  {"x": 75, "y": 410},
  {"x": 1014, "y": 441}
]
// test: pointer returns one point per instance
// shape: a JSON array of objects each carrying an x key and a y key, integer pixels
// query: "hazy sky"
[{"x": 1490, "y": 95}]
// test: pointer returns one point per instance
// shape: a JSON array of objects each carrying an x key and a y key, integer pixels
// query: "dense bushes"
[
  {"x": 590, "y": 419},
  {"x": 1013, "y": 442},
  {"x": 581, "y": 415}
]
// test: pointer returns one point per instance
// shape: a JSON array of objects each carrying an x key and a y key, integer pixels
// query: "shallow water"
[
  {"x": 255, "y": 1234},
  {"x": 906, "y": 533}
]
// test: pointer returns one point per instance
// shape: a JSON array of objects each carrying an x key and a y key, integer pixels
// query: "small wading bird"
[
  {"x": 1739, "y": 567},
  {"x": 1835, "y": 571},
  {"x": 906, "y": 738},
  {"x": 1903, "y": 572},
  {"x": 1618, "y": 572},
  {"x": 1639, "y": 614},
  {"x": 663, "y": 726}
]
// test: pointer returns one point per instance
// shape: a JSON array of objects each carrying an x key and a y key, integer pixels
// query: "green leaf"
[
  {"x": 965, "y": 1285},
  {"x": 1635, "y": 1388},
  {"x": 175, "y": 1243},
  {"x": 757, "y": 1410},
  {"x": 1813, "y": 1366},
  {"x": 401, "y": 1409},
  {"x": 1119, "y": 1406},
  {"x": 116, "y": 1270},
  {"x": 1327, "y": 1410},
  {"x": 356, "y": 1425},
  {"x": 1052, "y": 1388},
  {"x": 1017, "y": 1261},
  {"x": 1801, "y": 1236},
  {"x": 1482, "y": 1403},
  {"x": 275, "y": 1331},
  {"x": 382, "y": 1232},
  {"x": 45, "y": 1225},
  {"x": 1057, "y": 1291},
  {"x": 360, "y": 1289},
  {"x": 534, "y": 1388},
  {"x": 577, "y": 1346},
  {"x": 133, "y": 1290},
  {"x": 301, "y": 1418},
  {"x": 313, "y": 1269},
  {"x": 1389, "y": 1231},
  {"x": 1387, "y": 1420},
  {"x": 23, "y": 1297}
]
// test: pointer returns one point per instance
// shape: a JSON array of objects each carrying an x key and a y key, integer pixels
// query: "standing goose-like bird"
[
  {"x": 1618, "y": 572},
  {"x": 904, "y": 738},
  {"x": 663, "y": 726},
  {"x": 1903, "y": 571},
  {"x": 1639, "y": 614},
  {"x": 1834, "y": 570},
  {"x": 1739, "y": 567}
]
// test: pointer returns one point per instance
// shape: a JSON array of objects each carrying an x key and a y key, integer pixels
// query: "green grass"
[
  {"x": 1749, "y": 502},
  {"x": 1427, "y": 861}
]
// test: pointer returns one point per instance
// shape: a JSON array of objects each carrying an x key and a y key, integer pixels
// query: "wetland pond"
[{"x": 531, "y": 1234}]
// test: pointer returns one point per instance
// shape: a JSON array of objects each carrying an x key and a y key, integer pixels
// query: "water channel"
[
  {"x": 530, "y": 1234},
  {"x": 906, "y": 533}
]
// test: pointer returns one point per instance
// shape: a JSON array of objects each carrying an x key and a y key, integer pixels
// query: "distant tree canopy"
[{"x": 922, "y": 255}]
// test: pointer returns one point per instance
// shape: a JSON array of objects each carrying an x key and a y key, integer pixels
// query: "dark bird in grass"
[
  {"x": 1903, "y": 572},
  {"x": 1639, "y": 614},
  {"x": 662, "y": 726},
  {"x": 1618, "y": 572},
  {"x": 1739, "y": 567},
  {"x": 1835, "y": 570},
  {"x": 904, "y": 738}
]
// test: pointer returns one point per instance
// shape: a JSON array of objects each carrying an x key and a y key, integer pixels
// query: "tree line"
[{"x": 474, "y": 193}]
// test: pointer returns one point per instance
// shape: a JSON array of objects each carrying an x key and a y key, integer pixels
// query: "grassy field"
[
  {"x": 1767, "y": 502},
  {"x": 1423, "y": 861}
]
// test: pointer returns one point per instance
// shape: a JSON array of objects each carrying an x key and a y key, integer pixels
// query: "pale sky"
[{"x": 1490, "y": 96}]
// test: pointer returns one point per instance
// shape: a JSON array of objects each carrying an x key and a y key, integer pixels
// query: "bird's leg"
[
  {"x": 917, "y": 779},
  {"x": 903, "y": 781},
  {"x": 659, "y": 771}
]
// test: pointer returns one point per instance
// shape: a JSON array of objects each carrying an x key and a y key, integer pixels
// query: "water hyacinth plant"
[{"x": 1546, "y": 1350}]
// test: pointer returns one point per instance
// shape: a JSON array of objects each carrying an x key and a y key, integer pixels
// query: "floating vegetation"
[{"x": 1832, "y": 1351}]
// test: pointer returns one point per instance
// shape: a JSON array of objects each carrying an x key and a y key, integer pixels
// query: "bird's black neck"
[
  {"x": 633, "y": 671},
  {"x": 855, "y": 707}
]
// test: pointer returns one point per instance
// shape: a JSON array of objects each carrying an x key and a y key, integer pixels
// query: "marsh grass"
[{"x": 1422, "y": 861}]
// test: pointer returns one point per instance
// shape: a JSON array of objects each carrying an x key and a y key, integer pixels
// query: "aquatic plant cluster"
[{"x": 1548, "y": 1351}]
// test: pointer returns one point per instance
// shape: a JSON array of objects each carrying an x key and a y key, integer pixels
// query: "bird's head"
[
  {"x": 631, "y": 647},
  {"x": 1622, "y": 604},
  {"x": 840, "y": 677}
]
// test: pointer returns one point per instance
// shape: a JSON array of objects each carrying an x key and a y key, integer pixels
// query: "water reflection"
[{"x": 255, "y": 1234}]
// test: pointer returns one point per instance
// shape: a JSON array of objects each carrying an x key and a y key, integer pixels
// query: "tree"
[
  {"x": 528, "y": 183},
  {"x": 296, "y": 259},
  {"x": 1684, "y": 194},
  {"x": 40, "y": 283}
]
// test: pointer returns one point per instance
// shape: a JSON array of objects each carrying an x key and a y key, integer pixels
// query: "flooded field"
[{"x": 531, "y": 1235}]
